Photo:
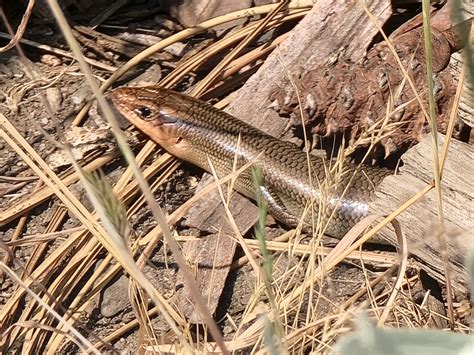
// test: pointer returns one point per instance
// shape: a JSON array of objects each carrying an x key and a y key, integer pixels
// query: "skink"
[{"x": 197, "y": 132}]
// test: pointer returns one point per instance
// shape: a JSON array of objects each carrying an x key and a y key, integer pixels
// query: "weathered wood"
[
  {"x": 211, "y": 256},
  {"x": 330, "y": 29},
  {"x": 209, "y": 213},
  {"x": 419, "y": 222},
  {"x": 466, "y": 104}
]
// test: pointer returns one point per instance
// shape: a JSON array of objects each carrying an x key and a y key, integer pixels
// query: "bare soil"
[{"x": 20, "y": 102}]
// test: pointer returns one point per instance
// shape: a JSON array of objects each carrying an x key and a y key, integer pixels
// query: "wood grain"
[{"x": 419, "y": 222}]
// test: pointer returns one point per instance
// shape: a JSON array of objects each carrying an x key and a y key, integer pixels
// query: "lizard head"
[{"x": 154, "y": 113}]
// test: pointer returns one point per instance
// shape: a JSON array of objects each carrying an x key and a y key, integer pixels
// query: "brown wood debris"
[{"x": 342, "y": 97}]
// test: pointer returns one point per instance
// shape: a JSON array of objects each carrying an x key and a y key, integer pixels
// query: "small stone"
[
  {"x": 176, "y": 49},
  {"x": 50, "y": 60},
  {"x": 80, "y": 96},
  {"x": 115, "y": 298},
  {"x": 55, "y": 98}
]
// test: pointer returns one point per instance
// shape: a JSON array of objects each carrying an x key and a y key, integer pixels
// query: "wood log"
[{"x": 419, "y": 222}]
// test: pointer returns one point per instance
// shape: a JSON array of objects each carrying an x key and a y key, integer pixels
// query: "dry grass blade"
[
  {"x": 382, "y": 260},
  {"x": 295, "y": 301},
  {"x": 6, "y": 246},
  {"x": 21, "y": 28},
  {"x": 125, "y": 329},
  {"x": 195, "y": 61},
  {"x": 115, "y": 246},
  {"x": 156, "y": 210},
  {"x": 60, "y": 52},
  {"x": 46, "y": 192},
  {"x": 185, "y": 34},
  {"x": 436, "y": 164},
  {"x": 43, "y": 237},
  {"x": 80, "y": 339},
  {"x": 212, "y": 76},
  {"x": 403, "y": 251},
  {"x": 452, "y": 119},
  {"x": 127, "y": 176}
]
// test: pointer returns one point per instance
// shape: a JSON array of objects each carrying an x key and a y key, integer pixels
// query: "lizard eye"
[{"x": 144, "y": 112}]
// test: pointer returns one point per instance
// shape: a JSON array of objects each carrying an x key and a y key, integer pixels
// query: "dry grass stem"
[{"x": 294, "y": 302}]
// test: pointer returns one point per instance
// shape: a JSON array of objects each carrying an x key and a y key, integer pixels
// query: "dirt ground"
[{"x": 61, "y": 81}]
